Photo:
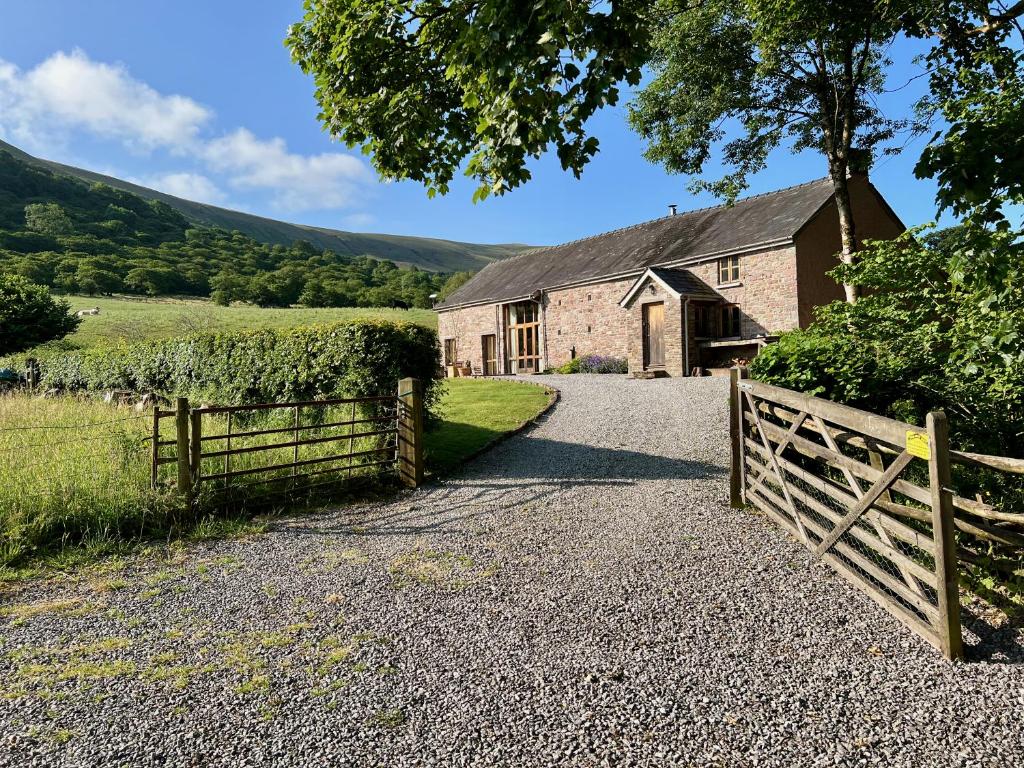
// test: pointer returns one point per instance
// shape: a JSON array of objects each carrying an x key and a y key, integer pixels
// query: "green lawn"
[
  {"x": 136, "y": 318},
  {"x": 476, "y": 411}
]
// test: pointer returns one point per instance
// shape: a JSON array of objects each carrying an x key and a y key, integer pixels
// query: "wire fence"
[{"x": 69, "y": 472}]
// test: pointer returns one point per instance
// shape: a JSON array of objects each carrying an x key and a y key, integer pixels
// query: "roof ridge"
[{"x": 544, "y": 248}]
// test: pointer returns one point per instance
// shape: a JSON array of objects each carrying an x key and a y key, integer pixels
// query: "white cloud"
[
  {"x": 299, "y": 182},
  {"x": 191, "y": 186},
  {"x": 70, "y": 91},
  {"x": 69, "y": 94}
]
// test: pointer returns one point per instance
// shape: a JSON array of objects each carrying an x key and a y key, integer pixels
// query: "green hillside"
[
  {"x": 94, "y": 239},
  {"x": 426, "y": 253}
]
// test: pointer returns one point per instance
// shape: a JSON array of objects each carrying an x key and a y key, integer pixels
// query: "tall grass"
[
  {"x": 71, "y": 470},
  {"x": 75, "y": 470}
]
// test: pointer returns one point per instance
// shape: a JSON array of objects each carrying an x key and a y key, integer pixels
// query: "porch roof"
[{"x": 678, "y": 282}]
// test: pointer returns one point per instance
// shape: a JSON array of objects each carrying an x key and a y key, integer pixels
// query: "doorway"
[
  {"x": 654, "y": 335},
  {"x": 489, "y": 348},
  {"x": 524, "y": 337}
]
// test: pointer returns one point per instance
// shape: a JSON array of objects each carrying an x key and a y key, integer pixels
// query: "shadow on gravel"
[
  {"x": 1000, "y": 642},
  {"x": 543, "y": 459},
  {"x": 526, "y": 471}
]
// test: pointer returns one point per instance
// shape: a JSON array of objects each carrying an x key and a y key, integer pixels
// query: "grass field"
[
  {"x": 75, "y": 474},
  {"x": 137, "y": 319}
]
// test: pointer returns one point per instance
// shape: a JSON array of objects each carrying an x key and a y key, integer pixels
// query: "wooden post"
[
  {"x": 181, "y": 425},
  {"x": 410, "y": 432},
  {"x": 32, "y": 373},
  {"x": 946, "y": 572},
  {"x": 154, "y": 468},
  {"x": 735, "y": 441},
  {"x": 295, "y": 439},
  {"x": 351, "y": 431},
  {"x": 195, "y": 461},
  {"x": 227, "y": 456}
]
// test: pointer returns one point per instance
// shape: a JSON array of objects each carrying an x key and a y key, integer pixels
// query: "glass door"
[{"x": 524, "y": 337}]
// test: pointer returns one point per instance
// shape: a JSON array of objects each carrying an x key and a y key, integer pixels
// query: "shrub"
[
  {"x": 29, "y": 315},
  {"x": 595, "y": 364},
  {"x": 941, "y": 325},
  {"x": 573, "y": 366},
  {"x": 603, "y": 364},
  {"x": 362, "y": 358}
]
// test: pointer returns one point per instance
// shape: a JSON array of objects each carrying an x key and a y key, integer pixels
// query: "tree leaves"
[{"x": 432, "y": 87}]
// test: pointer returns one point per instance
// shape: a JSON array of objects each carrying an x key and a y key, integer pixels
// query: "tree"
[
  {"x": 797, "y": 71},
  {"x": 482, "y": 82},
  {"x": 48, "y": 219},
  {"x": 453, "y": 283},
  {"x": 30, "y": 316},
  {"x": 977, "y": 86},
  {"x": 428, "y": 85}
]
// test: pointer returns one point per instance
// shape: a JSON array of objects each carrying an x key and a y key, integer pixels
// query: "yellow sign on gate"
[{"x": 917, "y": 444}]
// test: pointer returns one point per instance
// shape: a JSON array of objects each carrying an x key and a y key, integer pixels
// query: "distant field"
[{"x": 138, "y": 318}]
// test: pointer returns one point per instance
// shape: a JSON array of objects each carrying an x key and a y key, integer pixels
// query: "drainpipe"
[{"x": 686, "y": 336}]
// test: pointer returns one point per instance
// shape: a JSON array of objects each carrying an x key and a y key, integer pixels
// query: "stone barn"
[{"x": 680, "y": 293}]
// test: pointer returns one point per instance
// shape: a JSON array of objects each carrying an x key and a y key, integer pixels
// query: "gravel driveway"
[{"x": 582, "y": 595}]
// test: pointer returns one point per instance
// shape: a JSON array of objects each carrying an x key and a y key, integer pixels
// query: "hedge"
[{"x": 360, "y": 358}]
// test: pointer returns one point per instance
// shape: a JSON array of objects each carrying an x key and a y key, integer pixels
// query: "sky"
[{"x": 199, "y": 98}]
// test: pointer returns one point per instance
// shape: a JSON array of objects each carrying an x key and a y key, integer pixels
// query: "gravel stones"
[{"x": 581, "y": 595}]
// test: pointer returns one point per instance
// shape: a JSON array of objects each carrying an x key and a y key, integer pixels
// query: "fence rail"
[
  {"x": 376, "y": 432},
  {"x": 868, "y": 495}
]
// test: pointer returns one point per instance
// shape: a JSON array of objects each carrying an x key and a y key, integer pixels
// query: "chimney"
[{"x": 672, "y": 209}]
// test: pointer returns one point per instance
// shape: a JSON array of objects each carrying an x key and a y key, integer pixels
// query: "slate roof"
[
  {"x": 771, "y": 217},
  {"x": 685, "y": 283}
]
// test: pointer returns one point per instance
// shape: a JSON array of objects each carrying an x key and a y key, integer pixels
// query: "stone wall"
[
  {"x": 818, "y": 244},
  {"x": 766, "y": 291},
  {"x": 467, "y": 326},
  {"x": 588, "y": 319}
]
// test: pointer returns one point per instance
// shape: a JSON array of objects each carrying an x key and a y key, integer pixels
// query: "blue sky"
[{"x": 200, "y": 98}]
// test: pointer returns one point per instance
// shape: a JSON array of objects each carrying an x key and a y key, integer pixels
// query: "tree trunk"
[{"x": 847, "y": 230}]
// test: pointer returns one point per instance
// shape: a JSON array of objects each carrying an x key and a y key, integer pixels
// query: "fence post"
[
  {"x": 410, "y": 432},
  {"x": 154, "y": 467},
  {"x": 946, "y": 573},
  {"x": 736, "y": 464},
  {"x": 195, "y": 462},
  {"x": 181, "y": 425}
]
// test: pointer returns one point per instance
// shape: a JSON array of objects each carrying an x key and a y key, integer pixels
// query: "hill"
[
  {"x": 426, "y": 253},
  {"x": 76, "y": 237}
]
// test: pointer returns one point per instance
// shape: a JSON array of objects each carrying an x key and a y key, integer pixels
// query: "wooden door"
[
  {"x": 490, "y": 354},
  {"x": 654, "y": 335}
]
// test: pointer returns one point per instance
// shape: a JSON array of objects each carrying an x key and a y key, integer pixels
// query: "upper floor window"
[{"x": 728, "y": 269}]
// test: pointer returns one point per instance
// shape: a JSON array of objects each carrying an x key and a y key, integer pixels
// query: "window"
[
  {"x": 703, "y": 321},
  {"x": 730, "y": 321},
  {"x": 450, "y": 351},
  {"x": 728, "y": 269}
]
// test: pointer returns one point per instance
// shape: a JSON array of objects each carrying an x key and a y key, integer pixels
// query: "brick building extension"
[{"x": 685, "y": 291}]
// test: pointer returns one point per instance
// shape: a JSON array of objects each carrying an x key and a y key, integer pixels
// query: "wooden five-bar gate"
[
  {"x": 868, "y": 495},
  {"x": 213, "y": 449}
]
